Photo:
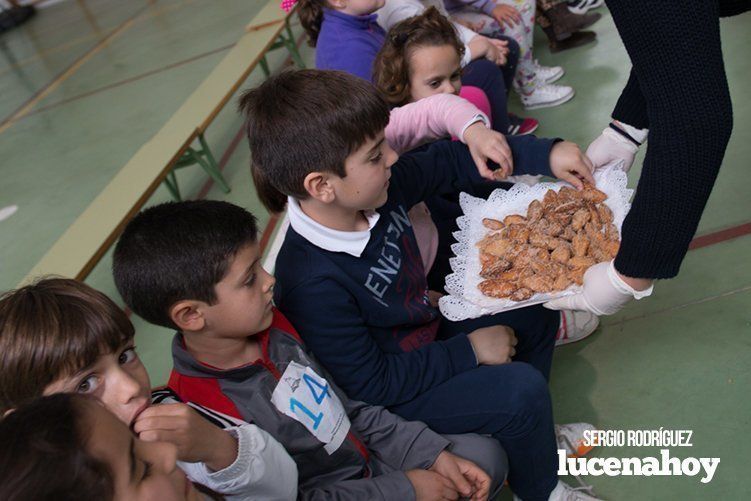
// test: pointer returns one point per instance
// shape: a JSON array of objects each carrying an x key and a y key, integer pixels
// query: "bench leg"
[
  {"x": 289, "y": 42},
  {"x": 171, "y": 183},
  {"x": 265, "y": 66},
  {"x": 210, "y": 165}
]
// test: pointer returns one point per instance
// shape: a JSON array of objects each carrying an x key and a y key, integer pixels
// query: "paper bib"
[{"x": 307, "y": 398}]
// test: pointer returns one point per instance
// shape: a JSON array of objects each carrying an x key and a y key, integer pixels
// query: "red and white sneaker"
[
  {"x": 519, "y": 126},
  {"x": 575, "y": 326}
]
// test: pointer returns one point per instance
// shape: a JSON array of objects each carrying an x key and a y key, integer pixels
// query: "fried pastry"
[
  {"x": 492, "y": 224},
  {"x": 497, "y": 288},
  {"x": 550, "y": 248}
]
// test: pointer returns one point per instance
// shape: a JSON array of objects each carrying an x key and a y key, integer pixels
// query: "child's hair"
[
  {"x": 310, "y": 13},
  {"x": 176, "y": 251},
  {"x": 43, "y": 453},
  {"x": 51, "y": 329},
  {"x": 391, "y": 66},
  {"x": 305, "y": 121}
]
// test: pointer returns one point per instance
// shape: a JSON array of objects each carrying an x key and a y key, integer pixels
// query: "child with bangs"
[
  {"x": 62, "y": 336},
  {"x": 350, "y": 277}
]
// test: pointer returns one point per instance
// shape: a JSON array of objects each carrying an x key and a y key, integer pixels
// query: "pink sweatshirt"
[{"x": 435, "y": 117}]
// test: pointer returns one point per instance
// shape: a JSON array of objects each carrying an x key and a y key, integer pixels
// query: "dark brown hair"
[
  {"x": 43, "y": 454},
  {"x": 310, "y": 13},
  {"x": 306, "y": 121},
  {"x": 52, "y": 329},
  {"x": 391, "y": 66},
  {"x": 176, "y": 251}
]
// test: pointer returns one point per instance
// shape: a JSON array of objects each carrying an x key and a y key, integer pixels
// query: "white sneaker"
[
  {"x": 547, "y": 95},
  {"x": 548, "y": 74},
  {"x": 570, "y": 438},
  {"x": 564, "y": 492},
  {"x": 575, "y": 325},
  {"x": 582, "y": 6}
]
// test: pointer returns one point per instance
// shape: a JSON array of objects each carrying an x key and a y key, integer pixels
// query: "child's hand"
[
  {"x": 481, "y": 46},
  {"x": 470, "y": 481},
  {"x": 506, "y": 14},
  {"x": 433, "y": 297},
  {"x": 567, "y": 162},
  {"x": 196, "y": 439},
  {"x": 484, "y": 144},
  {"x": 502, "y": 47},
  {"x": 430, "y": 486},
  {"x": 493, "y": 345}
]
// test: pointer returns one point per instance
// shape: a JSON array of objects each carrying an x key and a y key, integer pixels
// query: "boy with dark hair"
[
  {"x": 350, "y": 277},
  {"x": 196, "y": 266}
]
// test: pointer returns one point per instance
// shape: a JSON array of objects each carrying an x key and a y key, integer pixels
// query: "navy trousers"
[{"x": 510, "y": 402}]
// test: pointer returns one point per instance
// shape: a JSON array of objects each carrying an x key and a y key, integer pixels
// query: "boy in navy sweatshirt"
[{"x": 350, "y": 278}]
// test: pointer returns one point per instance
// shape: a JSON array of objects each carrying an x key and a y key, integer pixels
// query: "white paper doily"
[{"x": 464, "y": 300}]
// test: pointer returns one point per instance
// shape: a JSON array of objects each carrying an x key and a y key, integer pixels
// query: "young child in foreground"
[
  {"x": 69, "y": 447},
  {"x": 59, "y": 335},
  {"x": 349, "y": 274},
  {"x": 196, "y": 267}
]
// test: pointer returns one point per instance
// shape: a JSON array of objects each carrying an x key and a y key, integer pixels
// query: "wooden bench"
[{"x": 84, "y": 243}]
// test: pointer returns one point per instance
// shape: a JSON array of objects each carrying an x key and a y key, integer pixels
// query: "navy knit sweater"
[
  {"x": 368, "y": 319},
  {"x": 678, "y": 89}
]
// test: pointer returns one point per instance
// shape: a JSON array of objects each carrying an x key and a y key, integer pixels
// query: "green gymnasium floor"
[{"x": 87, "y": 82}]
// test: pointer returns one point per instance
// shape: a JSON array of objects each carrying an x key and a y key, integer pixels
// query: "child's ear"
[
  {"x": 187, "y": 315},
  {"x": 318, "y": 185}
]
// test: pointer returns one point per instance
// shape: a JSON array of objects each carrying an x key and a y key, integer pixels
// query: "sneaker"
[
  {"x": 548, "y": 74},
  {"x": 519, "y": 126},
  {"x": 582, "y": 6},
  {"x": 548, "y": 95},
  {"x": 575, "y": 326},
  {"x": 570, "y": 438},
  {"x": 564, "y": 492}
]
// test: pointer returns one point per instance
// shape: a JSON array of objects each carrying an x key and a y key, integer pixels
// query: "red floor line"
[
  {"x": 268, "y": 231},
  {"x": 720, "y": 236},
  {"x": 125, "y": 81}
]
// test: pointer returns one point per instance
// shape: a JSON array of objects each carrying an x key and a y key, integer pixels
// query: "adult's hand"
[
  {"x": 605, "y": 292},
  {"x": 612, "y": 147}
]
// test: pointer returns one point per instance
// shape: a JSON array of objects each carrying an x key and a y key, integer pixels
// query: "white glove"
[
  {"x": 604, "y": 292},
  {"x": 610, "y": 147}
]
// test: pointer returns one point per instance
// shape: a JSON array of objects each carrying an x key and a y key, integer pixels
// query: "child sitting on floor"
[
  {"x": 196, "y": 267},
  {"x": 349, "y": 275},
  {"x": 60, "y": 335},
  {"x": 67, "y": 447},
  {"x": 347, "y": 37}
]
